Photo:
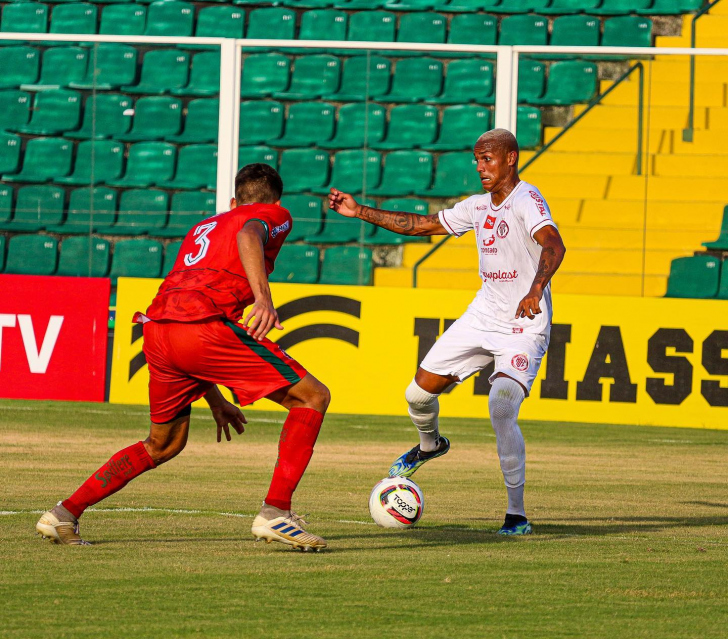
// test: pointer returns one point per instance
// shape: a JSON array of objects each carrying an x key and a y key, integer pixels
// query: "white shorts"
[{"x": 466, "y": 348}]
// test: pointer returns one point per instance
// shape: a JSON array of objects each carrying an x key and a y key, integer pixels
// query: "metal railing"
[{"x": 690, "y": 130}]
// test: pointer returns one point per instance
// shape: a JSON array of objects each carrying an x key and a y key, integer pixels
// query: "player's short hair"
[
  {"x": 258, "y": 183},
  {"x": 501, "y": 138}
]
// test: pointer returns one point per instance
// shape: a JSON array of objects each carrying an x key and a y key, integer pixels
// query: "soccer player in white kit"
[{"x": 509, "y": 320}]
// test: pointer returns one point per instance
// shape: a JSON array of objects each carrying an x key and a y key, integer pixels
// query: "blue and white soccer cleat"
[
  {"x": 515, "y": 525},
  {"x": 407, "y": 464}
]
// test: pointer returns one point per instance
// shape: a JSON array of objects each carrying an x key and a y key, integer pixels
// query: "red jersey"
[{"x": 208, "y": 278}]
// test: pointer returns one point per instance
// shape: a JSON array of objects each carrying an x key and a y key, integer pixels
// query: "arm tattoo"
[
  {"x": 548, "y": 263},
  {"x": 402, "y": 223}
]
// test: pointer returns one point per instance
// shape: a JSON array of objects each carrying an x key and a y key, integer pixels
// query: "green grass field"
[{"x": 631, "y": 534}]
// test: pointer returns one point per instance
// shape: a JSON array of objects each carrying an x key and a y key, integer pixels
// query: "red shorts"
[{"x": 186, "y": 359}]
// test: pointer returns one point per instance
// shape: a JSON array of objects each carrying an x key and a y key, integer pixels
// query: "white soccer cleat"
[
  {"x": 59, "y": 532},
  {"x": 286, "y": 530}
]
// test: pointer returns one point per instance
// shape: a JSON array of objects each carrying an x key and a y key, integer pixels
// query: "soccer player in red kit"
[{"x": 193, "y": 341}]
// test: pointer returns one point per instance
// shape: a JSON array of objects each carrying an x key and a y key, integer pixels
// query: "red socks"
[
  {"x": 110, "y": 478},
  {"x": 295, "y": 449}
]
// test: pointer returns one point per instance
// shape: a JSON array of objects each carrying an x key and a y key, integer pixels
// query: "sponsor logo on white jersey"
[
  {"x": 489, "y": 222},
  {"x": 540, "y": 204},
  {"x": 520, "y": 362},
  {"x": 502, "y": 229},
  {"x": 499, "y": 276}
]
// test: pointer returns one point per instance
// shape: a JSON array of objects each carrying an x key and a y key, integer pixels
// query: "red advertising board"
[{"x": 53, "y": 337}]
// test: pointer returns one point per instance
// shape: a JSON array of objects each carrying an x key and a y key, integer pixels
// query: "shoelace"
[{"x": 298, "y": 520}]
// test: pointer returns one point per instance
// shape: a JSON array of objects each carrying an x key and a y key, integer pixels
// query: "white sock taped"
[
  {"x": 504, "y": 402},
  {"x": 424, "y": 408}
]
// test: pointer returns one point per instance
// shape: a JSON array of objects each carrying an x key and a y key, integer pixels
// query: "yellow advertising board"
[{"x": 619, "y": 360}]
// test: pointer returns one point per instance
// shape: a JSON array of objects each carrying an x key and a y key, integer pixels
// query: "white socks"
[
  {"x": 504, "y": 402},
  {"x": 423, "y": 410}
]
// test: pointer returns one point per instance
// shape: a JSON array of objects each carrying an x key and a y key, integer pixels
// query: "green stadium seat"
[
  {"x": 61, "y": 66},
  {"x": 307, "y": 123},
  {"x": 170, "y": 257},
  {"x": 721, "y": 244},
  {"x": 471, "y": 28},
  {"x": 14, "y": 109},
  {"x": 53, "y": 111},
  {"x": 671, "y": 8},
  {"x": 265, "y": 74},
  {"x": 136, "y": 258},
  {"x": 9, "y": 153},
  {"x": 346, "y": 265},
  {"x": 360, "y": 5},
  {"x": 362, "y": 78},
  {"x": 260, "y": 121},
  {"x": 273, "y": 23},
  {"x": 528, "y": 127},
  {"x": 341, "y": 230},
  {"x": 36, "y": 207},
  {"x": 155, "y": 117},
  {"x": 405, "y": 173},
  {"x": 627, "y": 31},
  {"x": 531, "y": 79},
  {"x": 620, "y": 7},
  {"x": 407, "y": 205},
  {"x": 524, "y": 29},
  {"x": 723, "y": 286},
  {"x": 2, "y": 253},
  {"x": 313, "y": 76},
  {"x": 357, "y": 125},
  {"x": 204, "y": 75},
  {"x": 109, "y": 67},
  {"x": 258, "y": 155},
  {"x": 84, "y": 257},
  {"x": 461, "y": 126},
  {"x": 415, "y": 79},
  {"x": 371, "y": 26},
  {"x": 299, "y": 264},
  {"x": 575, "y": 31},
  {"x": 123, "y": 19},
  {"x": 466, "y": 6},
  {"x": 522, "y": 6},
  {"x": 420, "y": 27},
  {"x": 455, "y": 175},
  {"x": 24, "y": 17},
  {"x": 220, "y": 22},
  {"x": 196, "y": 168},
  {"x": 170, "y": 18},
  {"x": 570, "y": 6},
  {"x": 106, "y": 115},
  {"x": 6, "y": 212},
  {"x": 32, "y": 255},
  {"x": 410, "y": 5},
  {"x": 162, "y": 71},
  {"x": 355, "y": 171},
  {"x": 322, "y": 24},
  {"x": 78, "y": 17},
  {"x": 45, "y": 159},
  {"x": 89, "y": 208},
  {"x": 569, "y": 82},
  {"x": 140, "y": 211},
  {"x": 97, "y": 162},
  {"x": 467, "y": 81},
  {"x": 148, "y": 163},
  {"x": 188, "y": 208},
  {"x": 410, "y": 126},
  {"x": 695, "y": 277},
  {"x": 20, "y": 65},
  {"x": 200, "y": 123},
  {"x": 306, "y": 211},
  {"x": 304, "y": 169}
]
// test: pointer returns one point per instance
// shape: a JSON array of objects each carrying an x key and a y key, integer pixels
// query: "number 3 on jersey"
[{"x": 201, "y": 233}]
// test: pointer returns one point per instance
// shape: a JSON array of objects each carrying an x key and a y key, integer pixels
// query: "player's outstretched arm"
[
  {"x": 552, "y": 254},
  {"x": 402, "y": 223},
  {"x": 224, "y": 414},
  {"x": 262, "y": 316}
]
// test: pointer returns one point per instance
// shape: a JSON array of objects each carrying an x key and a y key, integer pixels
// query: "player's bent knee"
[{"x": 417, "y": 397}]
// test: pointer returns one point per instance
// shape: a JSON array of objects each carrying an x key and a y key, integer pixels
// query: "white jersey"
[{"x": 509, "y": 255}]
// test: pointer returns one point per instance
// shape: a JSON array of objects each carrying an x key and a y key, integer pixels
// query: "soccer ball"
[{"x": 396, "y": 502}]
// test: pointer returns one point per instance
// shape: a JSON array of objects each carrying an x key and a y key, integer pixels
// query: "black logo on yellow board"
[{"x": 313, "y": 303}]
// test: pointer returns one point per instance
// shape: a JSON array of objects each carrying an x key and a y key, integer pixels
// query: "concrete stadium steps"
[
  {"x": 708, "y": 69},
  {"x": 449, "y": 278},
  {"x": 689, "y": 189},
  {"x": 554, "y": 161},
  {"x": 458, "y": 253},
  {"x": 712, "y": 142},
  {"x": 666, "y": 93},
  {"x": 619, "y": 261},
  {"x": 558, "y": 185},
  {"x": 619, "y": 237},
  {"x": 702, "y": 217},
  {"x": 675, "y": 165},
  {"x": 609, "y": 284},
  {"x": 624, "y": 116},
  {"x": 584, "y": 139}
]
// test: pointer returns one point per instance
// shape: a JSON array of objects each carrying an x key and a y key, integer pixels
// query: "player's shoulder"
[
  {"x": 477, "y": 202},
  {"x": 529, "y": 193}
]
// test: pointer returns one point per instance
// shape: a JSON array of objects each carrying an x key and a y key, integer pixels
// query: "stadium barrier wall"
[
  {"x": 621, "y": 360},
  {"x": 53, "y": 337}
]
